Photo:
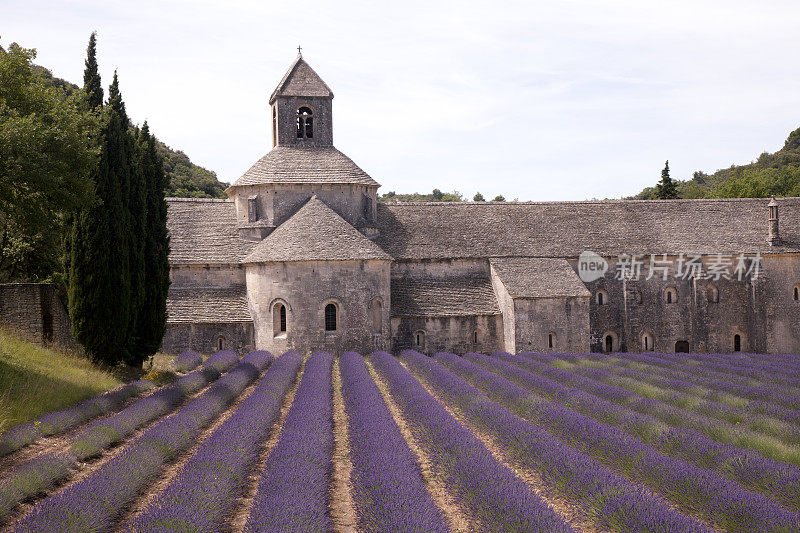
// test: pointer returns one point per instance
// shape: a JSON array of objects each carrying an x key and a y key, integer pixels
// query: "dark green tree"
[
  {"x": 666, "y": 189},
  {"x": 152, "y": 318},
  {"x": 99, "y": 288},
  {"x": 499, "y": 198},
  {"x": 91, "y": 77},
  {"x": 478, "y": 198},
  {"x": 437, "y": 195}
]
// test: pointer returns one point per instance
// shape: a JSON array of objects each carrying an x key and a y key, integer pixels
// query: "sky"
[{"x": 534, "y": 100}]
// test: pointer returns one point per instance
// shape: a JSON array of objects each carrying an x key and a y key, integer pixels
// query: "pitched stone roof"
[
  {"x": 538, "y": 277},
  {"x": 315, "y": 233},
  {"x": 197, "y": 305},
  {"x": 292, "y": 164},
  {"x": 301, "y": 80},
  {"x": 565, "y": 229},
  {"x": 464, "y": 296},
  {"x": 204, "y": 231}
]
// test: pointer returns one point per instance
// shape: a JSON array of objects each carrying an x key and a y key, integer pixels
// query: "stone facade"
[
  {"x": 302, "y": 231},
  {"x": 36, "y": 310}
]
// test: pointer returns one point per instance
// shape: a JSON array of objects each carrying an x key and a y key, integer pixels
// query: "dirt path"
[
  {"x": 454, "y": 513},
  {"x": 570, "y": 513},
  {"x": 343, "y": 511},
  {"x": 241, "y": 509}
]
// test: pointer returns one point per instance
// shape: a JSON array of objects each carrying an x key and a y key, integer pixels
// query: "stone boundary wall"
[{"x": 36, "y": 310}]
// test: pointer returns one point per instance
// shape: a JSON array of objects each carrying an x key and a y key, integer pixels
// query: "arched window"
[
  {"x": 279, "y": 319},
  {"x": 671, "y": 295},
  {"x": 419, "y": 340},
  {"x": 305, "y": 123},
  {"x": 475, "y": 337},
  {"x": 737, "y": 343},
  {"x": 551, "y": 340},
  {"x": 377, "y": 319},
  {"x": 796, "y": 292},
  {"x": 330, "y": 317},
  {"x": 712, "y": 294},
  {"x": 220, "y": 343},
  {"x": 602, "y": 297},
  {"x": 647, "y": 342}
]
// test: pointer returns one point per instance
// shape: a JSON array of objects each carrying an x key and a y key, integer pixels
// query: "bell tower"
[{"x": 301, "y": 108}]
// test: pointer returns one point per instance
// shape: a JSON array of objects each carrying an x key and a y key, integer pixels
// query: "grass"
[{"x": 35, "y": 380}]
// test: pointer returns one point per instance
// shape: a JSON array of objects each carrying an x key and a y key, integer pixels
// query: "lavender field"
[{"x": 408, "y": 442}]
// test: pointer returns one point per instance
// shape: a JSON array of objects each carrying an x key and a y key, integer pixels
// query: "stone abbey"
[{"x": 303, "y": 256}]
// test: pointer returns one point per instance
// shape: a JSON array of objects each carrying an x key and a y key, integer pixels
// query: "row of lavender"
[
  {"x": 96, "y": 501},
  {"x": 45, "y": 470},
  {"x": 768, "y": 428},
  {"x": 707, "y": 493},
  {"x": 635, "y": 416}
]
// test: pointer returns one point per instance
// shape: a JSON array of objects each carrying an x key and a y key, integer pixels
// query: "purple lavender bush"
[
  {"x": 292, "y": 494},
  {"x": 723, "y": 502},
  {"x": 61, "y": 421},
  {"x": 751, "y": 469},
  {"x": 200, "y": 497},
  {"x": 187, "y": 361},
  {"x": 222, "y": 360},
  {"x": 113, "y": 429},
  {"x": 497, "y": 500},
  {"x": 32, "y": 478},
  {"x": 605, "y": 496},
  {"x": 388, "y": 488},
  {"x": 93, "y": 503}
]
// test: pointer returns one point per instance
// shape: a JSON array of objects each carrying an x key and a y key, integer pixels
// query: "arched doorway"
[
  {"x": 682, "y": 347},
  {"x": 609, "y": 344}
]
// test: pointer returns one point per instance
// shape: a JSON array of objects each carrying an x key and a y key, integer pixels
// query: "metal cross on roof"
[{"x": 299, "y": 51}]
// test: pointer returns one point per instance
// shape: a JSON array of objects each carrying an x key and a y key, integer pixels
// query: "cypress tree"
[
  {"x": 91, "y": 77},
  {"x": 666, "y": 189},
  {"x": 99, "y": 277},
  {"x": 152, "y": 319},
  {"x": 137, "y": 243}
]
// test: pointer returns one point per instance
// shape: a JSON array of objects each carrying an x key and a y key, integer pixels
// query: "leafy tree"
[
  {"x": 499, "y": 198},
  {"x": 478, "y": 198},
  {"x": 99, "y": 288},
  {"x": 152, "y": 317},
  {"x": 437, "y": 195},
  {"x": 666, "y": 189},
  {"x": 46, "y": 150}
]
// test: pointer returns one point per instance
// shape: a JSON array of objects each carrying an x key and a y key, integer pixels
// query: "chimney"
[{"x": 774, "y": 235}]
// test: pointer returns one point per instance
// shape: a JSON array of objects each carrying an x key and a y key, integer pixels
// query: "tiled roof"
[
  {"x": 301, "y": 80},
  {"x": 195, "y": 305},
  {"x": 314, "y": 233},
  {"x": 565, "y": 229},
  {"x": 204, "y": 232},
  {"x": 291, "y": 164},
  {"x": 466, "y": 296},
  {"x": 538, "y": 277}
]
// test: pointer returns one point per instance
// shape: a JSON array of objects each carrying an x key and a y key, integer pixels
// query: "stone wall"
[
  {"x": 566, "y": 319},
  {"x": 305, "y": 288},
  {"x": 37, "y": 311},
  {"x": 278, "y": 202},
  {"x": 285, "y": 109},
  {"x": 760, "y": 311},
  {"x": 205, "y": 338},
  {"x": 206, "y": 275},
  {"x": 448, "y": 334}
]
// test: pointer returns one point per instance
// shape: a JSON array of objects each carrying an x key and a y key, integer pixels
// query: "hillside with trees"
[
  {"x": 435, "y": 196},
  {"x": 185, "y": 179},
  {"x": 771, "y": 174}
]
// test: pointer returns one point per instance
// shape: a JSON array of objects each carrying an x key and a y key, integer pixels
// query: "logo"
[{"x": 591, "y": 266}]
